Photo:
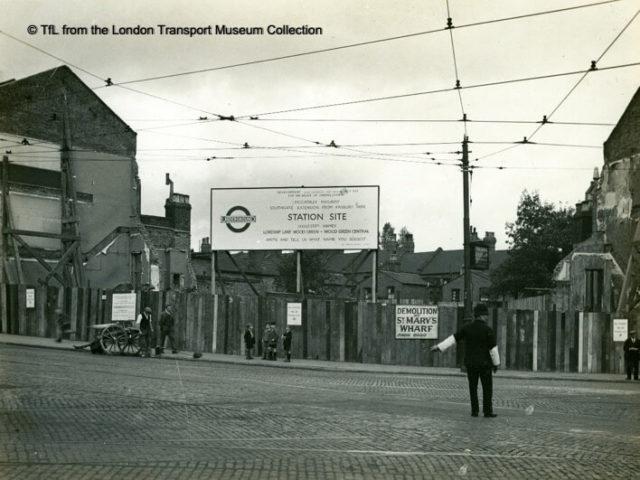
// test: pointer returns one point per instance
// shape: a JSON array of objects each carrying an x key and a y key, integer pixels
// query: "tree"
[
  {"x": 403, "y": 238},
  {"x": 388, "y": 233},
  {"x": 388, "y": 240},
  {"x": 540, "y": 237},
  {"x": 314, "y": 274}
]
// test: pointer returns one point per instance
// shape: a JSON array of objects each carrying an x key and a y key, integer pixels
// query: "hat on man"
[
  {"x": 480, "y": 309},
  {"x": 147, "y": 309}
]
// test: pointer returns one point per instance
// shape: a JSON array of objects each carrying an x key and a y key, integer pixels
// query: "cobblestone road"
[{"x": 73, "y": 415}]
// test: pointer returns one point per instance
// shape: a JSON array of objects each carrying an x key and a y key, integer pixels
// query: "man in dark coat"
[
  {"x": 631, "y": 351},
  {"x": 481, "y": 357},
  {"x": 167, "y": 323},
  {"x": 249, "y": 340},
  {"x": 145, "y": 325}
]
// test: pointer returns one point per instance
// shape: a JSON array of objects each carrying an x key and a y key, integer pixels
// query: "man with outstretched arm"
[{"x": 481, "y": 357}]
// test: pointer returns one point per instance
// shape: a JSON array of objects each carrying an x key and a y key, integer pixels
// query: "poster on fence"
[
  {"x": 620, "y": 329},
  {"x": 416, "y": 321},
  {"x": 31, "y": 298},
  {"x": 294, "y": 313},
  {"x": 123, "y": 306}
]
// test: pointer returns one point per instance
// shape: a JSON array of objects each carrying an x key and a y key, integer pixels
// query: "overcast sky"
[{"x": 419, "y": 71}]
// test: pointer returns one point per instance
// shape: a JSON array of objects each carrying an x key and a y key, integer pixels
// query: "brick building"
[{"x": 70, "y": 189}]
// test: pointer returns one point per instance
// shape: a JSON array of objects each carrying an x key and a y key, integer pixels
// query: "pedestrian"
[
  {"x": 480, "y": 358},
  {"x": 59, "y": 319},
  {"x": 145, "y": 325},
  {"x": 631, "y": 353},
  {"x": 167, "y": 323},
  {"x": 273, "y": 342},
  {"x": 286, "y": 343},
  {"x": 265, "y": 340},
  {"x": 249, "y": 341}
]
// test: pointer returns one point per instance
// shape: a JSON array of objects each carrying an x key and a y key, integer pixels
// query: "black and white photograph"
[{"x": 319, "y": 239}]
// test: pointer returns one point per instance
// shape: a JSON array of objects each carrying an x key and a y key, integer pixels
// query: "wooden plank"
[
  {"x": 4, "y": 303},
  {"x": 22, "y": 310},
  {"x": 41, "y": 309},
  {"x": 12, "y": 311},
  {"x": 581, "y": 352},
  {"x": 501, "y": 332},
  {"x": 73, "y": 310},
  {"x": 535, "y": 352},
  {"x": 528, "y": 340},
  {"x": 336, "y": 312},
  {"x": 84, "y": 314}
]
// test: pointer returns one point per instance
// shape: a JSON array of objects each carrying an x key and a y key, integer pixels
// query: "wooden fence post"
[{"x": 535, "y": 341}]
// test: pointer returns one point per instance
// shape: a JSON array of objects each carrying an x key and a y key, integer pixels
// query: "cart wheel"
[
  {"x": 130, "y": 342},
  {"x": 110, "y": 339}
]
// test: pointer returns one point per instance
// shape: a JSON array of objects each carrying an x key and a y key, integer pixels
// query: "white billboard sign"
[
  {"x": 295, "y": 218},
  {"x": 416, "y": 321},
  {"x": 123, "y": 306}
]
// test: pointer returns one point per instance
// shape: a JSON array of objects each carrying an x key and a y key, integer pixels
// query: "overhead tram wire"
[
  {"x": 279, "y": 133},
  {"x": 358, "y": 44},
  {"x": 343, "y": 103},
  {"x": 450, "y": 27},
  {"x": 424, "y": 120},
  {"x": 583, "y": 76},
  {"x": 440, "y": 90},
  {"x": 201, "y": 110},
  {"x": 51, "y": 55},
  {"x": 593, "y": 68},
  {"x": 220, "y": 116},
  {"x": 102, "y": 79}
]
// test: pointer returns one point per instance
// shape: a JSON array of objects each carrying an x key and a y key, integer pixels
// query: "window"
[
  {"x": 593, "y": 299},
  {"x": 455, "y": 294}
]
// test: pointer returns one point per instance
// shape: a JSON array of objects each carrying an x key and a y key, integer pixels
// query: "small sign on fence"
[
  {"x": 123, "y": 306},
  {"x": 416, "y": 321},
  {"x": 620, "y": 333},
  {"x": 31, "y": 298},
  {"x": 294, "y": 313}
]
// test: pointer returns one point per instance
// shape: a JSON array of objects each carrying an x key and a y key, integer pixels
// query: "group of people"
[
  {"x": 145, "y": 324},
  {"x": 269, "y": 342}
]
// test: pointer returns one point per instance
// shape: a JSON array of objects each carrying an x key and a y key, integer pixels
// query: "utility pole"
[
  {"x": 298, "y": 271},
  {"x": 467, "y": 230},
  {"x": 3, "y": 252}
]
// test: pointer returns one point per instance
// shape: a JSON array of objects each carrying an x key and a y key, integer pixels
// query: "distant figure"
[
  {"x": 249, "y": 341},
  {"x": 166, "y": 329},
  {"x": 481, "y": 357},
  {"x": 286, "y": 343},
  {"x": 273, "y": 342},
  {"x": 265, "y": 341},
  {"x": 631, "y": 352},
  {"x": 59, "y": 319},
  {"x": 146, "y": 331}
]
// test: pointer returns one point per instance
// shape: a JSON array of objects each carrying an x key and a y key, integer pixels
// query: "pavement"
[{"x": 40, "y": 342}]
